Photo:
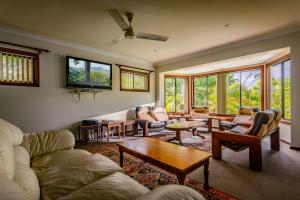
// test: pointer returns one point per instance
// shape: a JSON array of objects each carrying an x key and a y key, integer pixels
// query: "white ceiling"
[
  {"x": 249, "y": 60},
  {"x": 191, "y": 25}
]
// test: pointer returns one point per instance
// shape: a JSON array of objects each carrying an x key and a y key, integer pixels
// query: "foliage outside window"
[
  {"x": 280, "y": 86},
  {"x": 205, "y": 92},
  {"x": 243, "y": 89},
  {"x": 134, "y": 81},
  {"x": 175, "y": 94},
  {"x": 18, "y": 67}
]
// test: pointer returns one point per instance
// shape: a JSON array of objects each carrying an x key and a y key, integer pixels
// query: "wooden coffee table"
[
  {"x": 183, "y": 126},
  {"x": 173, "y": 158}
]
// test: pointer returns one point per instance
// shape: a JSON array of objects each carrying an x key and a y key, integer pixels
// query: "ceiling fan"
[{"x": 128, "y": 30}]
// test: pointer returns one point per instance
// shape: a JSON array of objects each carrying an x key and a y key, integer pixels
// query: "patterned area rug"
[{"x": 151, "y": 176}]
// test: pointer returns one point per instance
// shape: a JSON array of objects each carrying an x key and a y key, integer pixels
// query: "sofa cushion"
[
  {"x": 38, "y": 144},
  {"x": 13, "y": 132},
  {"x": 168, "y": 192},
  {"x": 6, "y": 156},
  {"x": 25, "y": 177},
  {"x": 21, "y": 155},
  {"x": 10, "y": 190},
  {"x": 143, "y": 113},
  {"x": 60, "y": 173},
  {"x": 116, "y": 186}
]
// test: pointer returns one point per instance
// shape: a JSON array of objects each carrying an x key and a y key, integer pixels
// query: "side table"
[
  {"x": 125, "y": 124},
  {"x": 84, "y": 132},
  {"x": 110, "y": 125}
]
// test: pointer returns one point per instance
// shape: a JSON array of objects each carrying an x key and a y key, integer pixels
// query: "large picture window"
[
  {"x": 134, "y": 81},
  {"x": 280, "y": 87},
  {"x": 175, "y": 94},
  {"x": 243, "y": 89},
  {"x": 205, "y": 92},
  {"x": 18, "y": 67}
]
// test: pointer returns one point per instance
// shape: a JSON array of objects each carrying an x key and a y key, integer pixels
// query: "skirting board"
[{"x": 295, "y": 148}]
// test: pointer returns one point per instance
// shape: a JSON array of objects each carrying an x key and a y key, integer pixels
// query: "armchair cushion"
[
  {"x": 143, "y": 113},
  {"x": 160, "y": 114},
  {"x": 156, "y": 124},
  {"x": 13, "y": 132},
  {"x": 38, "y": 144}
]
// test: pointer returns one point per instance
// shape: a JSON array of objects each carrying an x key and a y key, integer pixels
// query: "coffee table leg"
[
  {"x": 121, "y": 157},
  {"x": 181, "y": 178},
  {"x": 178, "y": 137},
  {"x": 206, "y": 173}
]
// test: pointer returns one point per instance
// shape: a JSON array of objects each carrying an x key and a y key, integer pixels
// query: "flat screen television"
[{"x": 83, "y": 73}]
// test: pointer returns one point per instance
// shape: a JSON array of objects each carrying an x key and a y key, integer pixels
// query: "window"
[
  {"x": 205, "y": 92},
  {"x": 18, "y": 67},
  {"x": 243, "y": 89},
  {"x": 134, "y": 81},
  {"x": 280, "y": 87},
  {"x": 175, "y": 94}
]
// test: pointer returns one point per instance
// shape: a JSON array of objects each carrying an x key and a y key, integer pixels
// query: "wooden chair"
[
  {"x": 264, "y": 124},
  {"x": 244, "y": 117}
]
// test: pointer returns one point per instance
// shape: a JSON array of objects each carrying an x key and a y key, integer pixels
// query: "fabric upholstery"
[
  {"x": 156, "y": 124},
  {"x": 160, "y": 114},
  {"x": 260, "y": 124},
  {"x": 38, "y": 144},
  {"x": 26, "y": 178},
  {"x": 13, "y": 132},
  {"x": 169, "y": 192},
  {"x": 144, "y": 114},
  {"x": 116, "y": 186}
]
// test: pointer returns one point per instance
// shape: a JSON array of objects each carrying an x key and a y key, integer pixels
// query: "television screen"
[{"x": 83, "y": 73}]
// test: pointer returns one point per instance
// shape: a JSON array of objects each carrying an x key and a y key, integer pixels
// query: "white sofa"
[{"x": 45, "y": 166}]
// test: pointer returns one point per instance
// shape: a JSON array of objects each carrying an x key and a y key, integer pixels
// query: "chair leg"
[
  {"x": 255, "y": 156},
  {"x": 216, "y": 149},
  {"x": 275, "y": 140}
]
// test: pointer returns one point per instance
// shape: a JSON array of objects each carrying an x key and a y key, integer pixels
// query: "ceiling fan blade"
[
  {"x": 149, "y": 36},
  {"x": 118, "y": 19}
]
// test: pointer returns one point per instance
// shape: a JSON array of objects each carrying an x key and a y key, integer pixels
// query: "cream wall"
[
  {"x": 51, "y": 106},
  {"x": 243, "y": 48}
]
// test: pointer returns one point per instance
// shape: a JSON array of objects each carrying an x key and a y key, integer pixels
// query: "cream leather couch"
[{"x": 45, "y": 166}]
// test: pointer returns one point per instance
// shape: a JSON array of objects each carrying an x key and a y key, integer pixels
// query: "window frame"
[
  {"x": 206, "y": 92},
  {"x": 262, "y": 93},
  {"x": 186, "y": 96},
  {"x": 233, "y": 70},
  {"x": 134, "y": 72},
  {"x": 269, "y": 65},
  {"x": 35, "y": 69}
]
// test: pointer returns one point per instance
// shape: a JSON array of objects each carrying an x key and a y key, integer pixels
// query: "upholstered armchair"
[
  {"x": 200, "y": 113},
  {"x": 152, "y": 118},
  {"x": 243, "y": 118},
  {"x": 240, "y": 138}
]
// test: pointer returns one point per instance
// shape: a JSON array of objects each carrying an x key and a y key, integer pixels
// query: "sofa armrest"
[
  {"x": 234, "y": 137},
  {"x": 168, "y": 192},
  {"x": 144, "y": 125},
  {"x": 38, "y": 144}
]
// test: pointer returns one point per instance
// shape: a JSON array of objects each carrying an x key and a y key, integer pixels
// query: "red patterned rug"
[{"x": 151, "y": 176}]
